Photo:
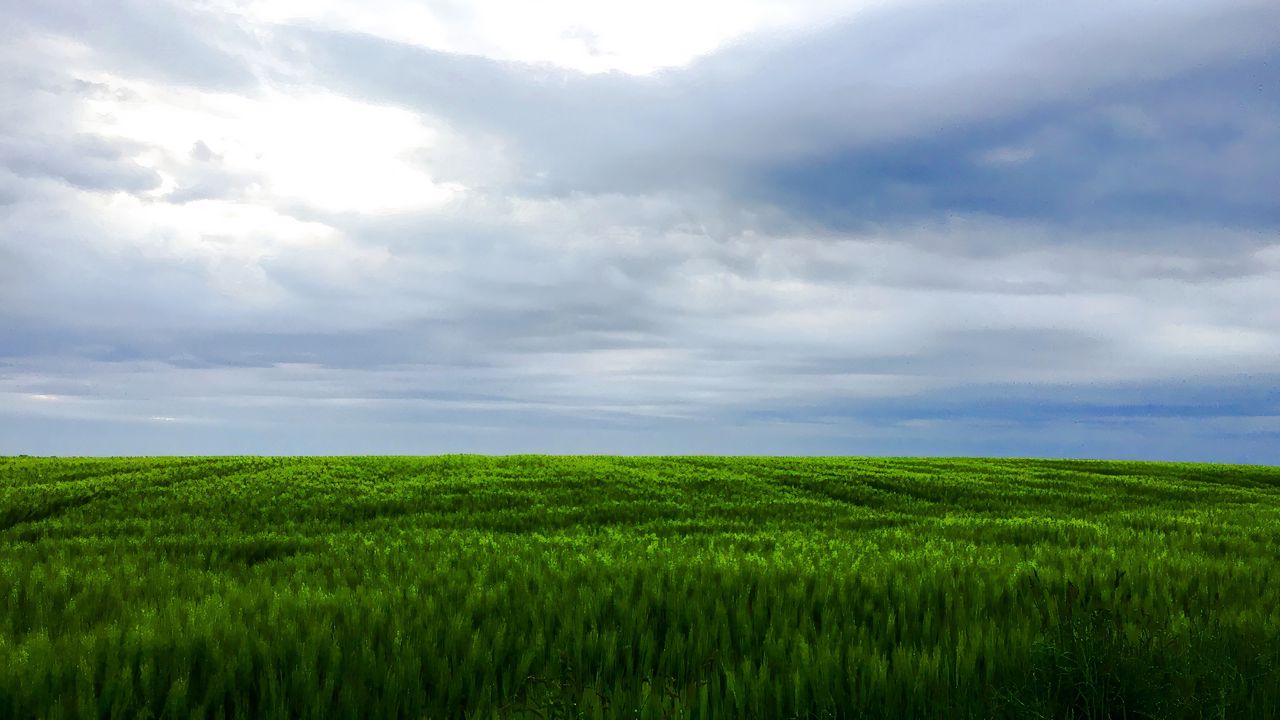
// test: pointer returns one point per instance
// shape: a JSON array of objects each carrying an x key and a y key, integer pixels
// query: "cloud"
[
  {"x": 166, "y": 41},
  {"x": 913, "y": 227},
  {"x": 1198, "y": 148},
  {"x": 898, "y": 74},
  {"x": 586, "y": 37},
  {"x": 87, "y": 162}
]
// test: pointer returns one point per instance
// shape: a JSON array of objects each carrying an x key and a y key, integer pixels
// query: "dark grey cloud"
[
  {"x": 1240, "y": 407},
  {"x": 1203, "y": 147},
  {"x": 1136, "y": 421}
]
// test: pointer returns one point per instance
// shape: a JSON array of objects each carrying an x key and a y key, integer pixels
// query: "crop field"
[{"x": 611, "y": 587}]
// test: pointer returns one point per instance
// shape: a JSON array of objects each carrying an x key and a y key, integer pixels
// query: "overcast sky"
[{"x": 893, "y": 227}]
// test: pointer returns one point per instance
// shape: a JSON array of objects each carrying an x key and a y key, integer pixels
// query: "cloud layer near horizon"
[{"x": 877, "y": 228}]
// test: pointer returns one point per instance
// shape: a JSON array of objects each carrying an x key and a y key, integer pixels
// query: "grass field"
[{"x": 604, "y": 587}]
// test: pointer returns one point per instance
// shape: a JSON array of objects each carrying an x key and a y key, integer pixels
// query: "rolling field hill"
[{"x": 611, "y": 587}]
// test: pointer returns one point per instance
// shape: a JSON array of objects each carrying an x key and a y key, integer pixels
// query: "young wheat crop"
[{"x": 607, "y": 587}]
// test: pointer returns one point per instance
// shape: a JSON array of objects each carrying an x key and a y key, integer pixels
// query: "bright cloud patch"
[{"x": 313, "y": 147}]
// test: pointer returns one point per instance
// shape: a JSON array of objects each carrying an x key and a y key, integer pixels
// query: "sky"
[{"x": 783, "y": 227}]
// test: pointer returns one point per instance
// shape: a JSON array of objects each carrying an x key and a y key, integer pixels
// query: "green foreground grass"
[{"x": 604, "y": 587}]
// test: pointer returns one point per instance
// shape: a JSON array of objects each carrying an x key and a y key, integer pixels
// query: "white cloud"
[{"x": 301, "y": 145}]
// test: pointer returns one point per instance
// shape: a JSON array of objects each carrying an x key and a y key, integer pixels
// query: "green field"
[{"x": 606, "y": 587}]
